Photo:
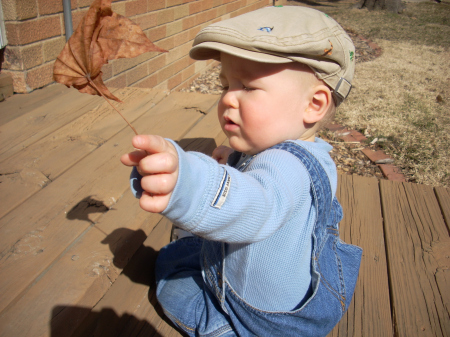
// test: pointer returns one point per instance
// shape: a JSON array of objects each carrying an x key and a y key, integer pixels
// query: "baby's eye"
[
  {"x": 247, "y": 88},
  {"x": 224, "y": 87}
]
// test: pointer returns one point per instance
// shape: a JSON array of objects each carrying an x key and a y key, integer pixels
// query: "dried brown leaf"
[{"x": 102, "y": 35}]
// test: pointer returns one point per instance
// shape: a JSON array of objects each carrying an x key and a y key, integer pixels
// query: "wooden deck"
[{"x": 77, "y": 252}]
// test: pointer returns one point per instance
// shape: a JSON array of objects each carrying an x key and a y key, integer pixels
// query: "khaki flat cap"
[{"x": 282, "y": 35}]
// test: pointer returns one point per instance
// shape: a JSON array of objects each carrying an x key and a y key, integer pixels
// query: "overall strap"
[{"x": 320, "y": 183}]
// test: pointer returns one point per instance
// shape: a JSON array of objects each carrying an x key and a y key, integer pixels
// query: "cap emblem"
[{"x": 266, "y": 29}]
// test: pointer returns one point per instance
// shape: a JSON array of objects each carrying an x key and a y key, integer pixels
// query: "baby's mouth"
[
  {"x": 229, "y": 121},
  {"x": 229, "y": 124}
]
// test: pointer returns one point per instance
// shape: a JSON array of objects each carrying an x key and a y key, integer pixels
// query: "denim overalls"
[{"x": 195, "y": 294}]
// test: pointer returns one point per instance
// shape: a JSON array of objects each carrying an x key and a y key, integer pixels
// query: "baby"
[{"x": 264, "y": 257}]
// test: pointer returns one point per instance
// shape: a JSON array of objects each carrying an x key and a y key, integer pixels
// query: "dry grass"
[{"x": 404, "y": 95}]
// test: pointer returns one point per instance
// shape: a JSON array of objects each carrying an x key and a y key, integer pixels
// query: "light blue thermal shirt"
[{"x": 265, "y": 219}]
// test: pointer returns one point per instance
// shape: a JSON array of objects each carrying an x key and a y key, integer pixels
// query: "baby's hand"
[
  {"x": 157, "y": 161},
  {"x": 221, "y": 154}
]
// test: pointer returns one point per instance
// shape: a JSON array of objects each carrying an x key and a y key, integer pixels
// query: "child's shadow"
[
  {"x": 138, "y": 264},
  {"x": 66, "y": 322},
  {"x": 136, "y": 260}
]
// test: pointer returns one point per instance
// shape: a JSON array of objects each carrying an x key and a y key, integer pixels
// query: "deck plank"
[
  {"x": 43, "y": 161},
  {"x": 40, "y": 122},
  {"x": 369, "y": 313},
  {"x": 20, "y": 104},
  {"x": 42, "y": 217},
  {"x": 416, "y": 239},
  {"x": 443, "y": 196}
]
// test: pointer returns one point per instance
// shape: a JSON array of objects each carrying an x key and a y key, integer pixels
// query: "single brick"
[
  {"x": 156, "y": 63},
  {"x": 117, "y": 82},
  {"x": 174, "y": 81},
  {"x": 136, "y": 74},
  {"x": 170, "y": 3},
  {"x": 19, "y": 10},
  {"x": 106, "y": 72},
  {"x": 84, "y": 3},
  {"x": 13, "y": 58},
  {"x": 167, "y": 43},
  {"x": 148, "y": 82},
  {"x": 118, "y": 7},
  {"x": 348, "y": 138},
  {"x": 165, "y": 73},
  {"x": 392, "y": 172},
  {"x": 188, "y": 72},
  {"x": 153, "y": 5},
  {"x": 182, "y": 38},
  {"x": 375, "y": 155},
  {"x": 32, "y": 55},
  {"x": 189, "y": 22},
  {"x": 334, "y": 127},
  {"x": 40, "y": 76},
  {"x": 174, "y": 27},
  {"x": 52, "y": 48},
  {"x": 206, "y": 16},
  {"x": 145, "y": 21},
  {"x": 358, "y": 136},
  {"x": 180, "y": 12},
  {"x": 12, "y": 32},
  {"x": 233, "y": 6},
  {"x": 195, "y": 7},
  {"x": 124, "y": 64},
  {"x": 156, "y": 33},
  {"x": 162, "y": 86},
  {"x": 193, "y": 32},
  {"x": 220, "y": 11},
  {"x": 180, "y": 64},
  {"x": 135, "y": 7},
  {"x": 46, "y": 7},
  {"x": 19, "y": 82},
  {"x": 33, "y": 30},
  {"x": 164, "y": 16},
  {"x": 217, "y": 3}
]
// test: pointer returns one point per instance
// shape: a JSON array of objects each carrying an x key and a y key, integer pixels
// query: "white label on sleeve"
[{"x": 223, "y": 190}]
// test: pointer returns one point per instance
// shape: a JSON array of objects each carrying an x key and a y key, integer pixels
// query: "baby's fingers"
[
  {"x": 159, "y": 163},
  {"x": 133, "y": 158},
  {"x": 159, "y": 184},
  {"x": 154, "y": 203}
]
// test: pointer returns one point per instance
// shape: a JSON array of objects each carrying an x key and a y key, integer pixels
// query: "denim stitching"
[
  {"x": 341, "y": 274},
  {"x": 180, "y": 324},
  {"x": 332, "y": 291},
  {"x": 219, "y": 332}
]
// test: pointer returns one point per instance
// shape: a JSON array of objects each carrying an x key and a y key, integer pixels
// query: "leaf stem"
[{"x": 93, "y": 84}]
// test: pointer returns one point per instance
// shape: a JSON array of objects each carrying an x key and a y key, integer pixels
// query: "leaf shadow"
[{"x": 85, "y": 207}]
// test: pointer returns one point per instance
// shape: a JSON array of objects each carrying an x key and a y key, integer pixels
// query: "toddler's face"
[{"x": 262, "y": 104}]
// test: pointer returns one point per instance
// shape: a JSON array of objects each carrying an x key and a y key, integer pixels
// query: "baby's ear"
[{"x": 319, "y": 104}]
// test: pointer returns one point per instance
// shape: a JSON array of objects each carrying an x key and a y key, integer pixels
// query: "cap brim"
[{"x": 212, "y": 50}]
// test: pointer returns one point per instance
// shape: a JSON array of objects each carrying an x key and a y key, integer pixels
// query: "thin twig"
[
  {"x": 333, "y": 141},
  {"x": 107, "y": 100}
]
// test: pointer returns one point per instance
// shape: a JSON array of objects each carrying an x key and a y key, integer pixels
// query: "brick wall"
[{"x": 35, "y": 33}]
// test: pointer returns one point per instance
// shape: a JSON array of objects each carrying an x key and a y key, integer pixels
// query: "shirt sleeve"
[{"x": 220, "y": 203}]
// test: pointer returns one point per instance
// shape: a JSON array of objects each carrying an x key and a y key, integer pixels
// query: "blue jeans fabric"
[{"x": 195, "y": 295}]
